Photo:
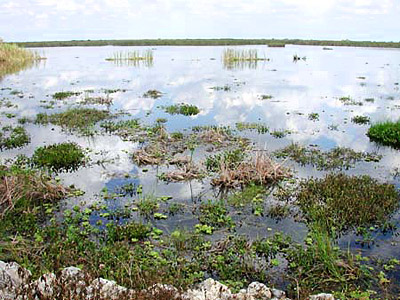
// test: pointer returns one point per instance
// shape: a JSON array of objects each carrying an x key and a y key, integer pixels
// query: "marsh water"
[{"x": 190, "y": 75}]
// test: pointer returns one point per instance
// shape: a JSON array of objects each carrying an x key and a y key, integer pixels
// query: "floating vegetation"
[
  {"x": 336, "y": 158},
  {"x": 327, "y": 48},
  {"x": 369, "y": 100},
  {"x": 266, "y": 97},
  {"x": 182, "y": 109},
  {"x": 81, "y": 120},
  {"x": 240, "y": 58},
  {"x": 101, "y": 100},
  {"x": 386, "y": 133},
  {"x": 65, "y": 95},
  {"x": 224, "y": 88},
  {"x": 14, "y": 59},
  {"x": 313, "y": 116},
  {"x": 13, "y": 137},
  {"x": 349, "y": 101},
  {"x": 64, "y": 157},
  {"x": 152, "y": 94},
  {"x": 280, "y": 133},
  {"x": 132, "y": 58},
  {"x": 340, "y": 202},
  {"x": 126, "y": 129},
  {"x": 258, "y": 169},
  {"x": 361, "y": 120},
  {"x": 260, "y": 128}
]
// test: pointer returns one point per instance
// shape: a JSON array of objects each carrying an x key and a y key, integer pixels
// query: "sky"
[{"x": 45, "y": 20}]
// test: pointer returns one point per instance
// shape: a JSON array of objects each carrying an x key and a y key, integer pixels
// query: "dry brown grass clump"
[
  {"x": 184, "y": 172},
  {"x": 214, "y": 136},
  {"x": 260, "y": 169},
  {"x": 32, "y": 186}
]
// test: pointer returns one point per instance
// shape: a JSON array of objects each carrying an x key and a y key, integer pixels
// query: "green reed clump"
[
  {"x": 81, "y": 120},
  {"x": 14, "y": 58},
  {"x": 340, "y": 202},
  {"x": 232, "y": 58},
  {"x": 59, "y": 157},
  {"x": 13, "y": 137},
  {"x": 386, "y": 133},
  {"x": 136, "y": 55},
  {"x": 182, "y": 109}
]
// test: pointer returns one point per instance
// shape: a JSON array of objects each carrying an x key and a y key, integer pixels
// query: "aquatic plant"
[
  {"x": 386, "y": 133},
  {"x": 64, "y": 157},
  {"x": 64, "y": 95},
  {"x": 81, "y": 120},
  {"x": 259, "y": 127},
  {"x": 182, "y": 109},
  {"x": 14, "y": 58},
  {"x": 13, "y": 137},
  {"x": 259, "y": 169},
  {"x": 152, "y": 94},
  {"x": 313, "y": 116},
  {"x": 336, "y": 158},
  {"x": 233, "y": 58},
  {"x": 340, "y": 202},
  {"x": 361, "y": 119},
  {"x": 146, "y": 55},
  {"x": 347, "y": 100}
]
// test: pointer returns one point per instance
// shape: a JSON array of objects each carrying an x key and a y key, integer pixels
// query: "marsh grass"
[
  {"x": 258, "y": 169},
  {"x": 132, "y": 58},
  {"x": 336, "y": 158},
  {"x": 239, "y": 58},
  {"x": 23, "y": 185},
  {"x": 66, "y": 157},
  {"x": 386, "y": 133},
  {"x": 81, "y": 120},
  {"x": 13, "y": 137},
  {"x": 14, "y": 58},
  {"x": 341, "y": 202},
  {"x": 182, "y": 109}
]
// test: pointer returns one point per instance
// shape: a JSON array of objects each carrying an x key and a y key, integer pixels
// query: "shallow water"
[{"x": 187, "y": 74}]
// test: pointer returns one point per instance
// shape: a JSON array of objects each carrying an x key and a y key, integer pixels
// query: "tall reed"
[
  {"x": 241, "y": 58},
  {"x": 14, "y": 58},
  {"x": 132, "y": 57}
]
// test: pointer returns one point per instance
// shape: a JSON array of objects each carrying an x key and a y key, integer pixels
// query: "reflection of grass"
[
  {"x": 233, "y": 58},
  {"x": 14, "y": 59}
]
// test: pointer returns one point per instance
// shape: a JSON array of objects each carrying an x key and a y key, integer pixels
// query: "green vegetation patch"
[
  {"x": 341, "y": 202},
  {"x": 361, "y": 120},
  {"x": 347, "y": 100},
  {"x": 13, "y": 137},
  {"x": 386, "y": 133},
  {"x": 336, "y": 158},
  {"x": 182, "y": 109},
  {"x": 59, "y": 157},
  {"x": 65, "y": 95},
  {"x": 81, "y": 120},
  {"x": 152, "y": 94},
  {"x": 260, "y": 128}
]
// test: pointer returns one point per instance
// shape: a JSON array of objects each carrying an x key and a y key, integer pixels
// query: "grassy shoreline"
[{"x": 209, "y": 42}]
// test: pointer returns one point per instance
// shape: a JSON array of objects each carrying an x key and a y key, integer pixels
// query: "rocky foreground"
[{"x": 72, "y": 283}]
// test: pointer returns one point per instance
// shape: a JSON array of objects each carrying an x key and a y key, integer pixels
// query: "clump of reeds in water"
[
  {"x": 14, "y": 58},
  {"x": 233, "y": 58},
  {"x": 132, "y": 57}
]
